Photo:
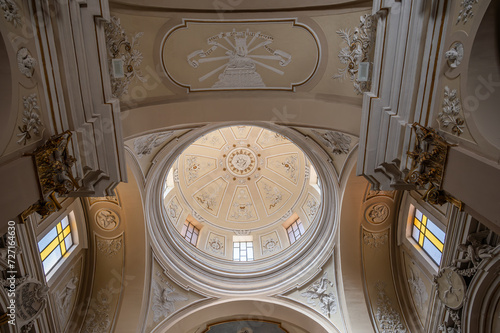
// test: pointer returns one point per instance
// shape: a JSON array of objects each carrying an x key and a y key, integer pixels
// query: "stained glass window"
[
  {"x": 428, "y": 236},
  {"x": 190, "y": 233},
  {"x": 55, "y": 244},
  {"x": 242, "y": 251},
  {"x": 295, "y": 230}
]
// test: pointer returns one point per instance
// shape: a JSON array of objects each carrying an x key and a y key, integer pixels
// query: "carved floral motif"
[
  {"x": 99, "y": 318},
  {"x": 25, "y": 62},
  {"x": 388, "y": 319},
  {"x": 119, "y": 47},
  {"x": 31, "y": 119},
  {"x": 466, "y": 12},
  {"x": 356, "y": 51},
  {"x": 319, "y": 291},
  {"x": 374, "y": 240},
  {"x": 11, "y": 12},
  {"x": 451, "y": 111},
  {"x": 109, "y": 247}
]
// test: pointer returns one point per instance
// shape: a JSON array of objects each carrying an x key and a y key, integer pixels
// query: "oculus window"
[
  {"x": 428, "y": 236},
  {"x": 54, "y": 246}
]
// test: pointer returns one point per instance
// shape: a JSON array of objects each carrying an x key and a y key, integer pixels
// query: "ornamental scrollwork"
[
  {"x": 388, "y": 318},
  {"x": 450, "y": 116},
  {"x": 109, "y": 247},
  {"x": 337, "y": 143},
  {"x": 375, "y": 240},
  {"x": 356, "y": 51},
  {"x": 428, "y": 160},
  {"x": 120, "y": 47},
  {"x": 32, "y": 124},
  {"x": 319, "y": 291}
]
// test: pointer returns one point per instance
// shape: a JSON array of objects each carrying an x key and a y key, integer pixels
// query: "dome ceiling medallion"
[{"x": 241, "y": 177}]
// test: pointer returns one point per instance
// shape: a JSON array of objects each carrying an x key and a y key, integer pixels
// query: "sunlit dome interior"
[{"x": 242, "y": 193}]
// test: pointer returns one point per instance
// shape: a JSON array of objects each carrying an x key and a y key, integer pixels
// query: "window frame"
[
  {"x": 195, "y": 227},
  {"x": 240, "y": 242},
  {"x": 299, "y": 223},
  {"x": 76, "y": 219},
  {"x": 408, "y": 206}
]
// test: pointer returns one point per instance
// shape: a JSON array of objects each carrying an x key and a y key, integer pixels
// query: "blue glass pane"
[
  {"x": 52, "y": 259},
  {"x": 415, "y": 234},
  {"x": 435, "y": 230},
  {"x": 432, "y": 251},
  {"x": 68, "y": 241},
  {"x": 47, "y": 239},
  {"x": 418, "y": 215},
  {"x": 301, "y": 228},
  {"x": 65, "y": 222}
]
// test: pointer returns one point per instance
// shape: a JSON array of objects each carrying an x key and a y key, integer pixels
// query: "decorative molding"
[
  {"x": 107, "y": 219},
  {"x": 144, "y": 145},
  {"x": 466, "y": 12},
  {"x": 110, "y": 247},
  {"x": 25, "y": 62},
  {"x": 451, "y": 112},
  {"x": 164, "y": 299},
  {"x": 338, "y": 143},
  {"x": 418, "y": 289},
  {"x": 377, "y": 213},
  {"x": 388, "y": 319},
  {"x": 11, "y": 12},
  {"x": 374, "y": 240},
  {"x": 319, "y": 291},
  {"x": 455, "y": 54},
  {"x": 32, "y": 124},
  {"x": 109, "y": 198},
  {"x": 377, "y": 193},
  {"x": 356, "y": 51},
  {"x": 119, "y": 47}
]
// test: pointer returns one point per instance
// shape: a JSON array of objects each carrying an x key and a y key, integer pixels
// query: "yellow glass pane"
[
  {"x": 421, "y": 240},
  {"x": 59, "y": 228},
  {"x": 60, "y": 238},
  {"x": 434, "y": 241},
  {"x": 417, "y": 223},
  {"x": 49, "y": 249},
  {"x": 66, "y": 231},
  {"x": 63, "y": 248},
  {"x": 424, "y": 220}
]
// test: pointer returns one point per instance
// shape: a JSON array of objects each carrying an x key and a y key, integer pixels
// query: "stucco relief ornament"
[
  {"x": 174, "y": 210},
  {"x": 121, "y": 48},
  {"x": 374, "y": 240},
  {"x": 418, "y": 290},
  {"x": 377, "y": 213},
  {"x": 337, "y": 142},
  {"x": 467, "y": 10},
  {"x": 109, "y": 247},
  {"x": 388, "y": 319},
  {"x": 450, "y": 287},
  {"x": 145, "y": 144},
  {"x": 319, "y": 291},
  {"x": 240, "y": 67},
  {"x": 270, "y": 245},
  {"x": 164, "y": 298},
  {"x": 107, "y": 219},
  {"x": 273, "y": 195},
  {"x": 98, "y": 317},
  {"x": 455, "y": 55},
  {"x": 474, "y": 251},
  {"x": 65, "y": 298},
  {"x": 313, "y": 207},
  {"x": 32, "y": 124},
  {"x": 216, "y": 245},
  {"x": 11, "y": 12},
  {"x": 451, "y": 112},
  {"x": 355, "y": 52},
  {"x": 25, "y": 62}
]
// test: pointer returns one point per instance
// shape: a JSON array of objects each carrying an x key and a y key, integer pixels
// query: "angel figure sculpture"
[{"x": 474, "y": 249}]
